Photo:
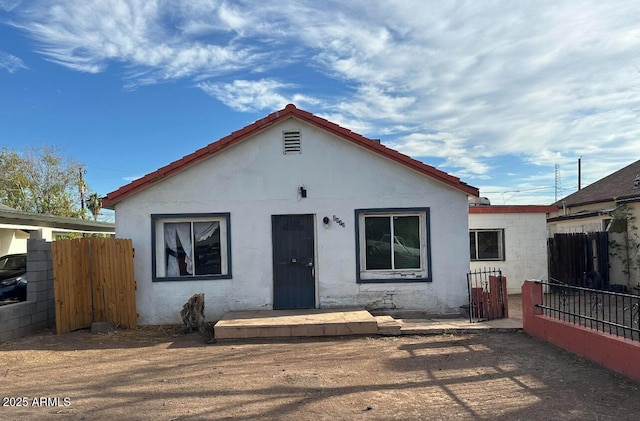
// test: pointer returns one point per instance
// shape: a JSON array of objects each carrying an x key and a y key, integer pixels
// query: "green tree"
[
  {"x": 94, "y": 204},
  {"x": 40, "y": 180},
  {"x": 628, "y": 248}
]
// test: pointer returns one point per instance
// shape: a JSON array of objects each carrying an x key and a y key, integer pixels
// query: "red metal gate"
[{"x": 487, "y": 295}]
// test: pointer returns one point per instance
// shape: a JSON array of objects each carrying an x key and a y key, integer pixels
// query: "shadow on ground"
[{"x": 480, "y": 376}]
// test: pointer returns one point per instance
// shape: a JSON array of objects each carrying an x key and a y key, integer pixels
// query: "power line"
[{"x": 517, "y": 191}]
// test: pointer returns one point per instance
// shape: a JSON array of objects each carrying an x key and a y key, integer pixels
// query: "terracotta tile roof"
[
  {"x": 252, "y": 129},
  {"x": 512, "y": 209},
  {"x": 614, "y": 187}
]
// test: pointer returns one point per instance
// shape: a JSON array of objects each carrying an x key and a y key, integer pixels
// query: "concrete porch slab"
[
  {"x": 344, "y": 322},
  {"x": 440, "y": 326},
  {"x": 291, "y": 323}
]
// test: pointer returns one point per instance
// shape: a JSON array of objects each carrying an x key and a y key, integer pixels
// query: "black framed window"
[
  {"x": 393, "y": 245},
  {"x": 191, "y": 246},
  {"x": 486, "y": 244}
]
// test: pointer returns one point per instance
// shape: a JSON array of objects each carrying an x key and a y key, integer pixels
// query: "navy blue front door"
[{"x": 293, "y": 262}]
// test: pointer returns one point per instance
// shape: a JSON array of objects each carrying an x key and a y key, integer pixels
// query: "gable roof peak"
[{"x": 290, "y": 110}]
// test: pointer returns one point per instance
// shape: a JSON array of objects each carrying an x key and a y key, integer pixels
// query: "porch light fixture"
[{"x": 303, "y": 192}]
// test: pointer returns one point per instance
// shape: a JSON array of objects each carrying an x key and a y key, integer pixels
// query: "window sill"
[
  {"x": 191, "y": 278},
  {"x": 392, "y": 280}
]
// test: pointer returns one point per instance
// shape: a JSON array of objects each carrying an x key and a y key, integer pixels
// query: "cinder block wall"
[
  {"x": 38, "y": 312},
  {"x": 525, "y": 246}
]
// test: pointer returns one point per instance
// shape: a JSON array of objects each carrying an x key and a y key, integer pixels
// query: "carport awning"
[
  {"x": 583, "y": 214},
  {"x": 12, "y": 219}
]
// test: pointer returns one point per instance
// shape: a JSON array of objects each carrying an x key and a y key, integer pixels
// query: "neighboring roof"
[
  {"x": 618, "y": 186},
  {"x": 289, "y": 111},
  {"x": 582, "y": 214},
  {"x": 513, "y": 209},
  {"x": 19, "y": 218}
]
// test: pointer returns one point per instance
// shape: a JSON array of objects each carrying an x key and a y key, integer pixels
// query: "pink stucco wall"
[{"x": 616, "y": 353}]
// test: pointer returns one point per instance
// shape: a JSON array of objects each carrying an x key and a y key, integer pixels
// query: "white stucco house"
[
  {"x": 512, "y": 238},
  {"x": 294, "y": 211}
]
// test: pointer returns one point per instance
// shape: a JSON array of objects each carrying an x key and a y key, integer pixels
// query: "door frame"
[{"x": 316, "y": 294}]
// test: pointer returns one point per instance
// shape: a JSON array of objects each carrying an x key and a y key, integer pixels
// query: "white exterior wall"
[
  {"x": 525, "y": 246},
  {"x": 13, "y": 241},
  {"x": 254, "y": 180},
  {"x": 617, "y": 273}
]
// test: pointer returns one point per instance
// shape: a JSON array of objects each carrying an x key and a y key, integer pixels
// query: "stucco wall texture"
[
  {"x": 525, "y": 246},
  {"x": 254, "y": 180}
]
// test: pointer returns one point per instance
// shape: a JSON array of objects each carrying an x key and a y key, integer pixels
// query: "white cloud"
[
  {"x": 9, "y": 5},
  {"x": 470, "y": 83},
  {"x": 88, "y": 36},
  {"x": 246, "y": 95},
  {"x": 11, "y": 63},
  {"x": 131, "y": 178},
  {"x": 445, "y": 146}
]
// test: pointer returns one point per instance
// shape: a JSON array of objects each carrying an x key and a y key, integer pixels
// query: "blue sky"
[{"x": 496, "y": 93}]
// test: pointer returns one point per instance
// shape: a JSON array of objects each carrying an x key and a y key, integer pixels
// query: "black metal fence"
[
  {"x": 605, "y": 311},
  {"x": 487, "y": 289}
]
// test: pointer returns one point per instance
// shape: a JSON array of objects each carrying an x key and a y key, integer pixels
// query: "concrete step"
[
  {"x": 388, "y": 326},
  {"x": 440, "y": 326},
  {"x": 295, "y": 323}
]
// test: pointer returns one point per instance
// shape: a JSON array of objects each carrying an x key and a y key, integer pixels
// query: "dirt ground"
[{"x": 157, "y": 374}]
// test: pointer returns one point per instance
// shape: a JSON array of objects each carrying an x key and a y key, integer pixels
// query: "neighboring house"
[
  {"x": 294, "y": 211},
  {"x": 16, "y": 227},
  {"x": 512, "y": 239},
  {"x": 590, "y": 210}
]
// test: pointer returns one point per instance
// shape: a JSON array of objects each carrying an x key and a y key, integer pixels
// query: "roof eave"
[
  {"x": 623, "y": 199},
  {"x": 497, "y": 209},
  {"x": 579, "y": 215},
  {"x": 53, "y": 221}
]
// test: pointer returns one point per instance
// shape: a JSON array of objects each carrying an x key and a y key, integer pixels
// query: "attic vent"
[{"x": 291, "y": 142}]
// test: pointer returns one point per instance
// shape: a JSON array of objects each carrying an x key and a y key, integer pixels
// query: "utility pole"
[
  {"x": 82, "y": 187},
  {"x": 580, "y": 173}
]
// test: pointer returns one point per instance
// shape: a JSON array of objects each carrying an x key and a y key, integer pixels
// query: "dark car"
[{"x": 13, "y": 285}]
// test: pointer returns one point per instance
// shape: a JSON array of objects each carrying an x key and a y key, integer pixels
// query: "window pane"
[
  {"x": 378, "y": 239},
  {"x": 472, "y": 245},
  {"x": 207, "y": 257},
  {"x": 191, "y": 248},
  {"x": 406, "y": 244},
  {"x": 488, "y": 245},
  {"x": 177, "y": 238}
]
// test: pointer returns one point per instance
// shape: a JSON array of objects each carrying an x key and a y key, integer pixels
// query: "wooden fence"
[{"x": 93, "y": 282}]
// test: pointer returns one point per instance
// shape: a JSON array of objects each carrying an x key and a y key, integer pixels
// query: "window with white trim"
[
  {"x": 393, "y": 245},
  {"x": 486, "y": 244},
  {"x": 191, "y": 246}
]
